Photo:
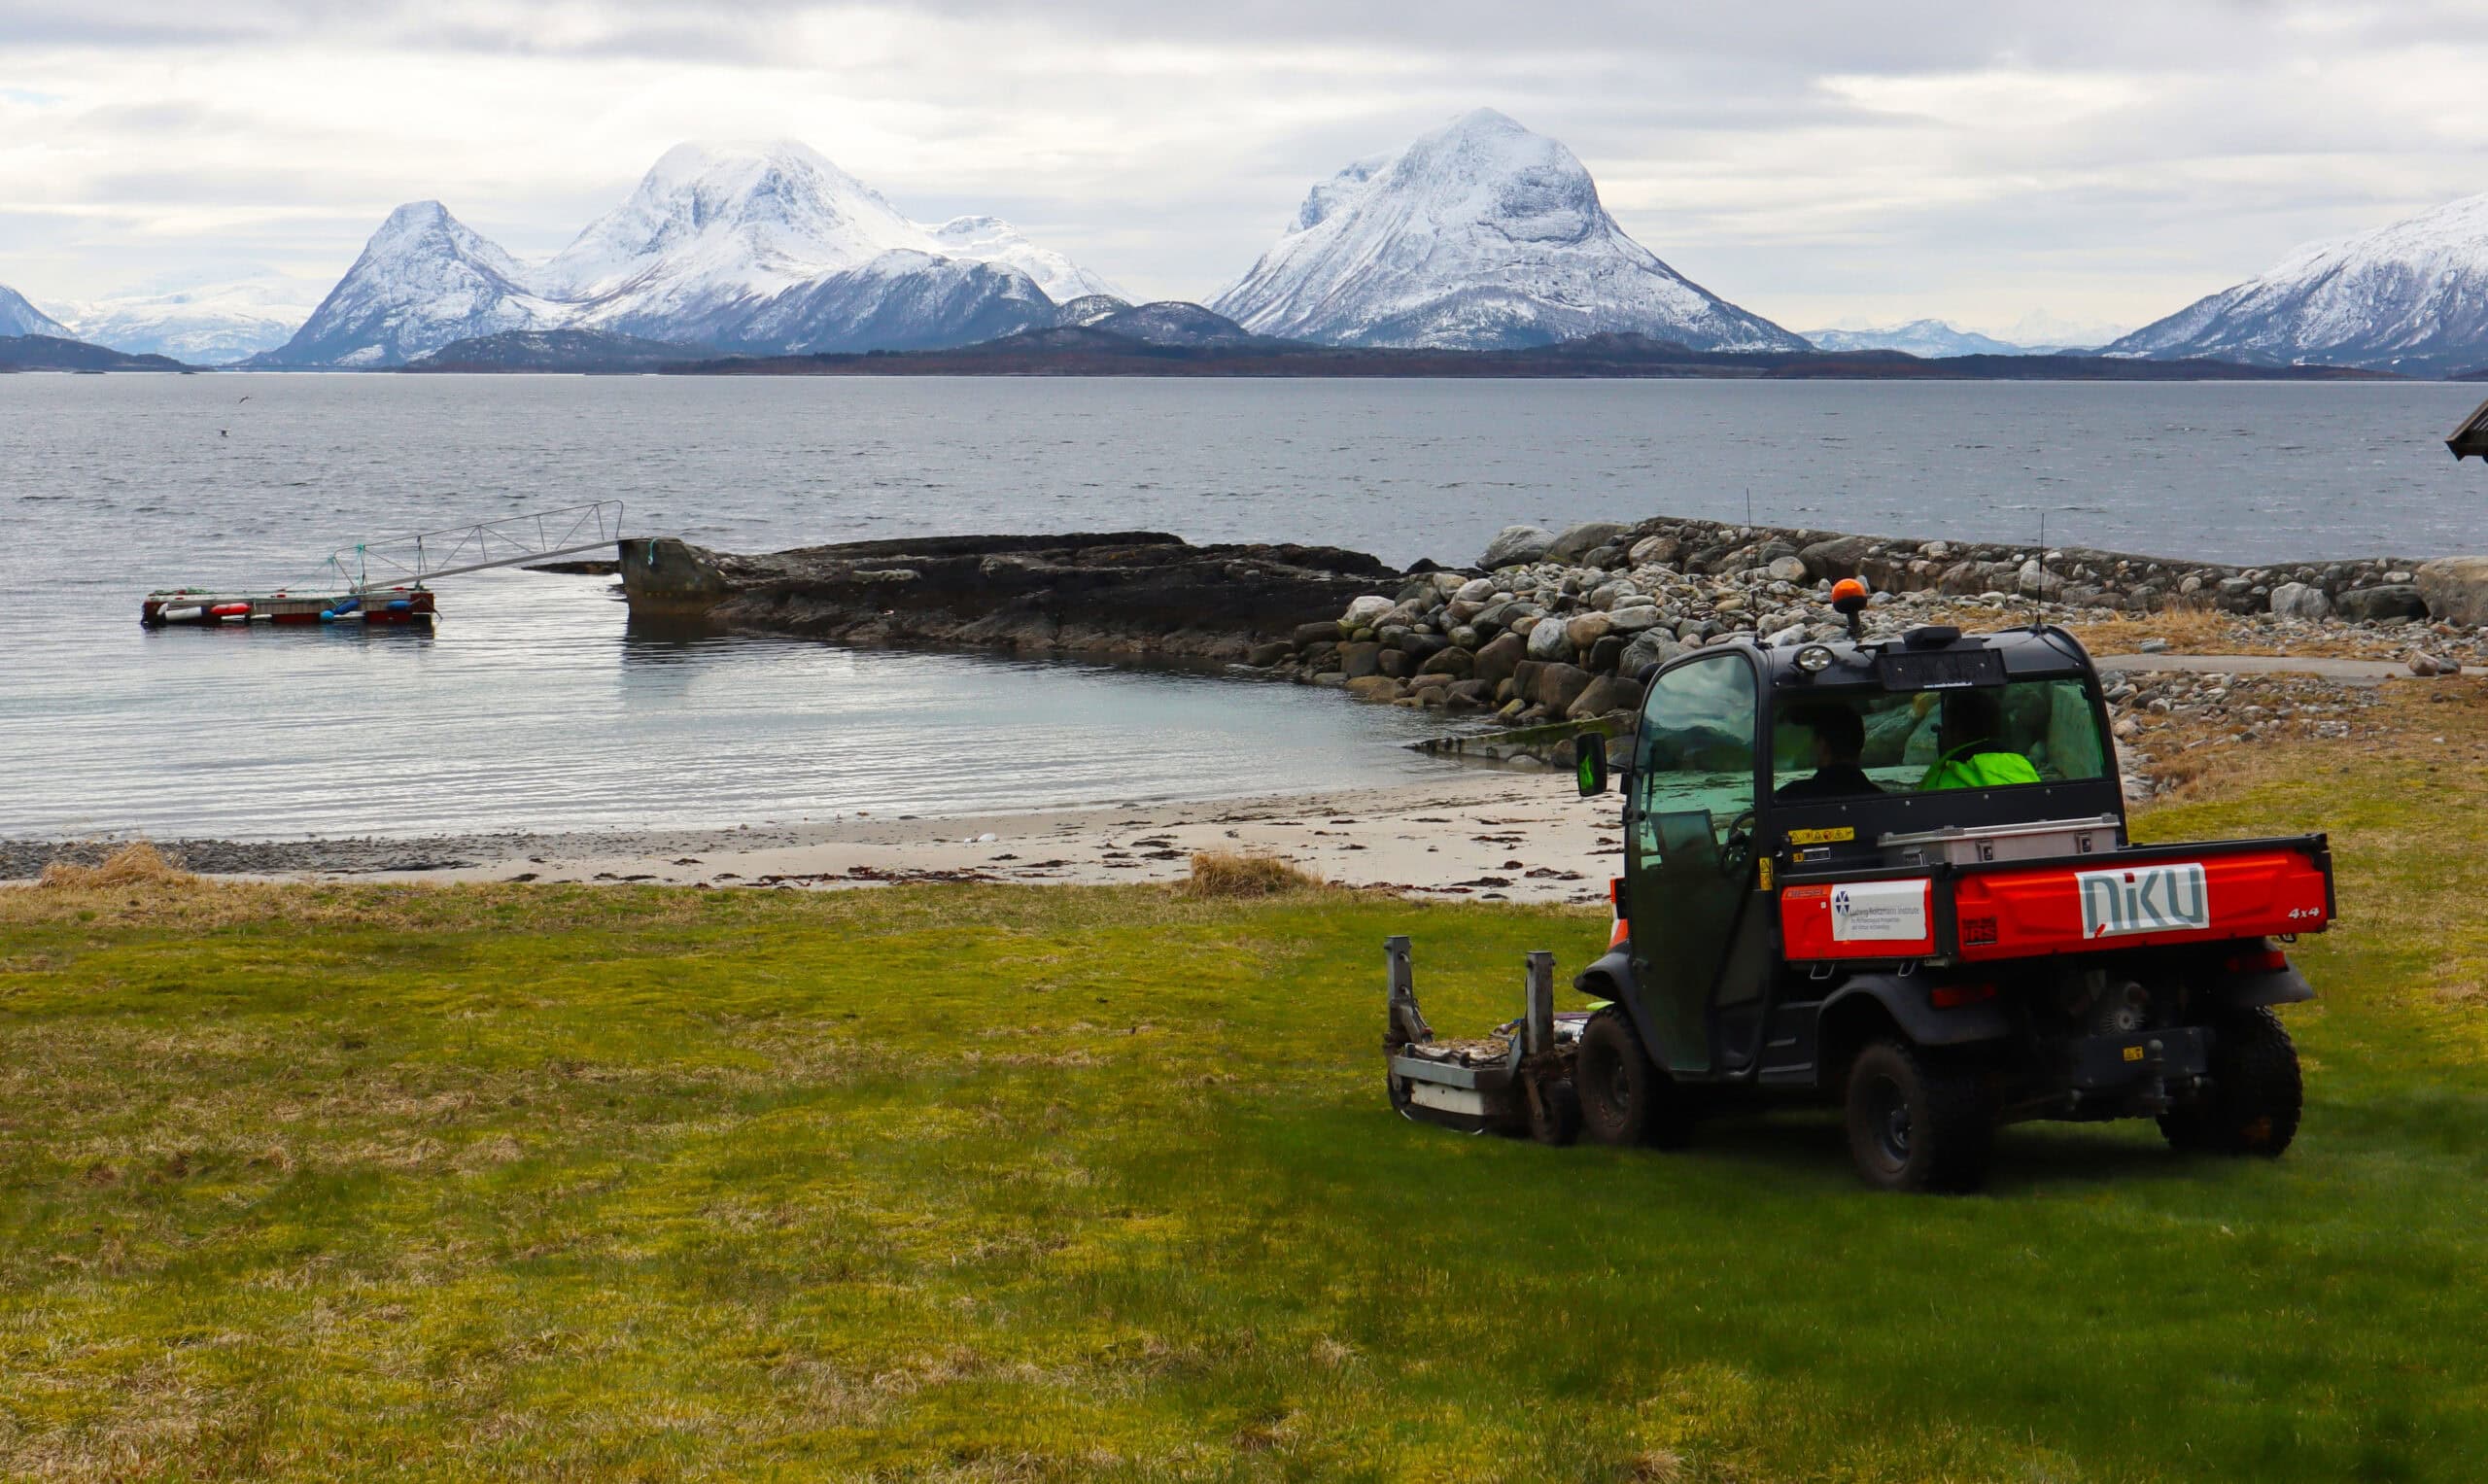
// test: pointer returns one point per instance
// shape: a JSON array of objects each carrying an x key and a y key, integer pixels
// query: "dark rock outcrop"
[{"x": 1120, "y": 593}]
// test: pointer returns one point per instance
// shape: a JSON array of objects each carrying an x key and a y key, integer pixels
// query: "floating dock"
[
  {"x": 187, "y": 607},
  {"x": 364, "y": 573}
]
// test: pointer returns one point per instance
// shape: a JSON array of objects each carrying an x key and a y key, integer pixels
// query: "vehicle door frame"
[{"x": 1645, "y": 890}]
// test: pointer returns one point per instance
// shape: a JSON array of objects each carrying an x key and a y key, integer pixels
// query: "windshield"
[{"x": 1850, "y": 743}]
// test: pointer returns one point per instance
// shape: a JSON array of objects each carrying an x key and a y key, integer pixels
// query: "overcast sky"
[{"x": 1816, "y": 162}]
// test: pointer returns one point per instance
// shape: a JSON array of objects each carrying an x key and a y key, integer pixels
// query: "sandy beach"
[
  {"x": 1493, "y": 834},
  {"x": 1484, "y": 834}
]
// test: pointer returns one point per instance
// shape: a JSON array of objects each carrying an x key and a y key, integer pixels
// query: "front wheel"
[
  {"x": 1554, "y": 1112},
  {"x": 1915, "y": 1123},
  {"x": 2255, "y": 1095},
  {"x": 1624, "y": 1098}
]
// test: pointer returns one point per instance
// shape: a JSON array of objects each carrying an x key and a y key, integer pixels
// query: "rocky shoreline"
[
  {"x": 1555, "y": 627},
  {"x": 1544, "y": 628}
]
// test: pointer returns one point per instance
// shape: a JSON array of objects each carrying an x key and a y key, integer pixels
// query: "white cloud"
[{"x": 1815, "y": 162}]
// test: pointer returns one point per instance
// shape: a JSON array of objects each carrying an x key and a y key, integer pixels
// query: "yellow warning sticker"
[
  {"x": 1822, "y": 837},
  {"x": 2133, "y": 1054},
  {"x": 1766, "y": 872}
]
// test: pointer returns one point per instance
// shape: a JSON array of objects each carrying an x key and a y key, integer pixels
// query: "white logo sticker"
[
  {"x": 2143, "y": 899},
  {"x": 1878, "y": 911}
]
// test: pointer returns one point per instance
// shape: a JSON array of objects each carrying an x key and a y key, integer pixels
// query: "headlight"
[{"x": 1815, "y": 659}]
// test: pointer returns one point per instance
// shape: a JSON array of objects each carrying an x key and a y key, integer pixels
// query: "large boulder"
[
  {"x": 1357, "y": 661},
  {"x": 1633, "y": 620},
  {"x": 2300, "y": 600},
  {"x": 1499, "y": 658},
  {"x": 2455, "y": 589},
  {"x": 1367, "y": 611},
  {"x": 1547, "y": 640},
  {"x": 1517, "y": 546},
  {"x": 1457, "y": 663},
  {"x": 1557, "y": 686},
  {"x": 1653, "y": 648},
  {"x": 2391, "y": 600},
  {"x": 1607, "y": 693},
  {"x": 1586, "y": 629},
  {"x": 1840, "y": 557},
  {"x": 1375, "y": 688},
  {"x": 1654, "y": 550},
  {"x": 1579, "y": 541}
]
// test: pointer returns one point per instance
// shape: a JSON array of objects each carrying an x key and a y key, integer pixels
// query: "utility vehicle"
[{"x": 1896, "y": 875}]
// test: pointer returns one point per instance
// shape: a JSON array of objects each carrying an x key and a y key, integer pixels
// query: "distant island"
[
  {"x": 51, "y": 353},
  {"x": 1155, "y": 340}
]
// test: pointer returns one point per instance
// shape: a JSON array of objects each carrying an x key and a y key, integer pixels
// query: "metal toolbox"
[{"x": 2041, "y": 840}]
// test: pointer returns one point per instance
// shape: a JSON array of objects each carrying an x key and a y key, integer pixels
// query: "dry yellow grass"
[
  {"x": 1218, "y": 873},
  {"x": 132, "y": 865},
  {"x": 2187, "y": 632}
]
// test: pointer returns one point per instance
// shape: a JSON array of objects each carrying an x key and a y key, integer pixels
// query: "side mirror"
[{"x": 1590, "y": 769}]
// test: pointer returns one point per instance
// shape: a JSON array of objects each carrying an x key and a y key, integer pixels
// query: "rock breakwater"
[
  {"x": 1555, "y": 627},
  {"x": 1547, "y": 627},
  {"x": 1130, "y": 592}
]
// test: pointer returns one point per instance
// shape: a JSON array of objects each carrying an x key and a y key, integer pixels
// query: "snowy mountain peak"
[
  {"x": 20, "y": 317},
  {"x": 730, "y": 220},
  {"x": 422, "y": 230},
  {"x": 1480, "y": 234},
  {"x": 767, "y": 247},
  {"x": 1918, "y": 337},
  {"x": 424, "y": 280},
  {"x": 991, "y": 239},
  {"x": 713, "y": 225},
  {"x": 2411, "y": 297}
]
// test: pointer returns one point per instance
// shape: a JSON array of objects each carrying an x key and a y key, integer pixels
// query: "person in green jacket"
[{"x": 1971, "y": 755}]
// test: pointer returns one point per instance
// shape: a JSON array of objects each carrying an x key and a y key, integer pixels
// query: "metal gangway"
[{"x": 412, "y": 561}]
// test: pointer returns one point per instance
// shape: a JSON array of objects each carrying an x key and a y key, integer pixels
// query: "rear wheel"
[
  {"x": 1916, "y": 1122},
  {"x": 1624, "y": 1099},
  {"x": 2256, "y": 1095}
]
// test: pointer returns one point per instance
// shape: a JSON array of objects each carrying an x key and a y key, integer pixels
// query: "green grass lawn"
[{"x": 1002, "y": 1183}]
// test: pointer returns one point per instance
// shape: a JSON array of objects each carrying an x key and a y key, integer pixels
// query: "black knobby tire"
[
  {"x": 1624, "y": 1098},
  {"x": 1916, "y": 1122},
  {"x": 1554, "y": 1112},
  {"x": 2255, "y": 1096}
]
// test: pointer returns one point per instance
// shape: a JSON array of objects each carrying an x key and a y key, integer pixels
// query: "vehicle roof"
[{"x": 2028, "y": 651}]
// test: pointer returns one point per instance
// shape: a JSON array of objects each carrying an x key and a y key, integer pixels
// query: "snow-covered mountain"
[
  {"x": 1480, "y": 234},
  {"x": 424, "y": 280},
  {"x": 1918, "y": 338},
  {"x": 20, "y": 317},
  {"x": 991, "y": 239},
  {"x": 2043, "y": 333},
  {"x": 1090, "y": 308},
  {"x": 2411, "y": 298},
  {"x": 768, "y": 248},
  {"x": 202, "y": 323}
]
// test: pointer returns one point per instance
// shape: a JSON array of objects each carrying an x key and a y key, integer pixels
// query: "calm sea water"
[{"x": 535, "y": 706}]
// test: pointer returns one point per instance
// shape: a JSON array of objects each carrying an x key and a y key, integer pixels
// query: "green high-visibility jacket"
[{"x": 1964, "y": 769}]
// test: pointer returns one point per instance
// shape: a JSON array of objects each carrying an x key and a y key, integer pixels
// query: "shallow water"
[{"x": 535, "y": 706}]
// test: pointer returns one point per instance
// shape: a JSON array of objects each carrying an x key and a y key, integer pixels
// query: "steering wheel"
[{"x": 1739, "y": 843}]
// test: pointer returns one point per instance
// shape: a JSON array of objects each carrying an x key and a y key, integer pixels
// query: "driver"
[
  {"x": 1840, "y": 741},
  {"x": 1971, "y": 755}
]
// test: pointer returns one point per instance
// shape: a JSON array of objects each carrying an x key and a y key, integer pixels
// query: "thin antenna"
[
  {"x": 2039, "y": 598},
  {"x": 1748, "y": 506}
]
